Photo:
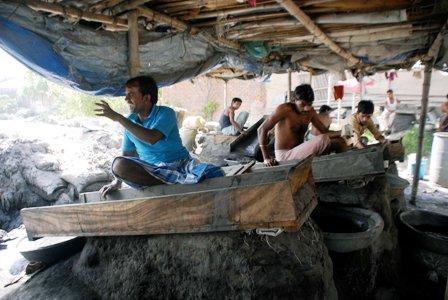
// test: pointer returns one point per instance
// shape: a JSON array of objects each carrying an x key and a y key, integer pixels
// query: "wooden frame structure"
[
  {"x": 286, "y": 25},
  {"x": 261, "y": 199}
]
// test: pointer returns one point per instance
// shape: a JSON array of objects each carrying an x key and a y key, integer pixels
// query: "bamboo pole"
[
  {"x": 421, "y": 130},
  {"x": 239, "y": 11},
  {"x": 127, "y": 5},
  {"x": 243, "y": 19},
  {"x": 434, "y": 49},
  {"x": 71, "y": 12},
  {"x": 182, "y": 26},
  {"x": 133, "y": 44},
  {"x": 430, "y": 59},
  {"x": 162, "y": 18},
  {"x": 295, "y": 11},
  {"x": 102, "y": 5}
]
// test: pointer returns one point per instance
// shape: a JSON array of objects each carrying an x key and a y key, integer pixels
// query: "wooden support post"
[
  {"x": 225, "y": 94},
  {"x": 289, "y": 85},
  {"x": 330, "y": 87},
  {"x": 339, "y": 111},
  {"x": 421, "y": 131},
  {"x": 133, "y": 44}
]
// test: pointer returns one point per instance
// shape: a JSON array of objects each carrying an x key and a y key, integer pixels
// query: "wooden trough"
[
  {"x": 351, "y": 165},
  {"x": 263, "y": 198}
]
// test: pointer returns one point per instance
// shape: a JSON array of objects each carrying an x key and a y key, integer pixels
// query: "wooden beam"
[
  {"x": 153, "y": 15},
  {"x": 433, "y": 51},
  {"x": 218, "y": 210},
  {"x": 295, "y": 11},
  {"x": 133, "y": 44},
  {"x": 71, "y": 12},
  {"x": 127, "y": 5},
  {"x": 102, "y": 5},
  {"x": 258, "y": 175},
  {"x": 240, "y": 207},
  {"x": 182, "y": 26}
]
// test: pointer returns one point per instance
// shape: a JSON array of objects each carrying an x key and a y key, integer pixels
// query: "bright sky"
[{"x": 12, "y": 71}]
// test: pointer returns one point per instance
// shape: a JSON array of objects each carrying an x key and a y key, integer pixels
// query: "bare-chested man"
[{"x": 291, "y": 122}]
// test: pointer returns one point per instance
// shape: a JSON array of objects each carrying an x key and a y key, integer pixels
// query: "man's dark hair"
[
  {"x": 305, "y": 93},
  {"x": 237, "y": 100},
  {"x": 366, "y": 107},
  {"x": 146, "y": 85},
  {"x": 389, "y": 91},
  {"x": 324, "y": 108}
]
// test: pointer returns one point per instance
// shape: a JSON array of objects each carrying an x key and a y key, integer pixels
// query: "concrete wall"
[{"x": 261, "y": 97}]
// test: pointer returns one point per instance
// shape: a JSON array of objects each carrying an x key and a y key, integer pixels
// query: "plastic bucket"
[{"x": 438, "y": 170}]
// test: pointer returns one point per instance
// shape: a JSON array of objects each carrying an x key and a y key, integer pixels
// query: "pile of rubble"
[{"x": 42, "y": 164}]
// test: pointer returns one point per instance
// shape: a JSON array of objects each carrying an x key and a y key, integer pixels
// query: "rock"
[
  {"x": 191, "y": 266},
  {"x": 63, "y": 199},
  {"x": 82, "y": 180},
  {"x": 47, "y": 184}
]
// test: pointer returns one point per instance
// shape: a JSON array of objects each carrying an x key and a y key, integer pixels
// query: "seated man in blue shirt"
[{"x": 152, "y": 149}]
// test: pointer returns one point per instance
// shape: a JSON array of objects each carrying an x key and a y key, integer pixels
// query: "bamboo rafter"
[
  {"x": 128, "y": 5},
  {"x": 102, "y": 5},
  {"x": 294, "y": 10},
  {"x": 71, "y": 12}
]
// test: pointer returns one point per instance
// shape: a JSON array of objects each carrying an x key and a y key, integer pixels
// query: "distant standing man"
[
  {"x": 362, "y": 120},
  {"x": 291, "y": 122},
  {"x": 227, "y": 122},
  {"x": 443, "y": 123},
  {"x": 390, "y": 108},
  {"x": 153, "y": 153}
]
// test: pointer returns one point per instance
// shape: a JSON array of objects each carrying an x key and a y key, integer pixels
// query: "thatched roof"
[{"x": 248, "y": 38}]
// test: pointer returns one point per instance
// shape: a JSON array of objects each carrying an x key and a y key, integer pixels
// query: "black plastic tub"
[
  {"x": 426, "y": 229},
  {"x": 348, "y": 229}
]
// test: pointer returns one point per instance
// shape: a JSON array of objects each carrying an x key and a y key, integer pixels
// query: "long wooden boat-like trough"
[
  {"x": 350, "y": 165},
  {"x": 263, "y": 198}
]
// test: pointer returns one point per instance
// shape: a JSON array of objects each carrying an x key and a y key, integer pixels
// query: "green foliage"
[
  {"x": 74, "y": 104},
  {"x": 209, "y": 108},
  {"x": 8, "y": 104},
  {"x": 410, "y": 141}
]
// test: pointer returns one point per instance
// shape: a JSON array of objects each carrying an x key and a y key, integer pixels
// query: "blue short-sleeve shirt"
[{"x": 166, "y": 150}]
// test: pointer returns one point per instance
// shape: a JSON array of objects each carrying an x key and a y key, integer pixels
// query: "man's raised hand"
[{"x": 104, "y": 110}]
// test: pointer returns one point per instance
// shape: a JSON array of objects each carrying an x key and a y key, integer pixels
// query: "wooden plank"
[
  {"x": 299, "y": 174},
  {"x": 258, "y": 175},
  {"x": 246, "y": 167},
  {"x": 267, "y": 205},
  {"x": 249, "y": 132}
]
